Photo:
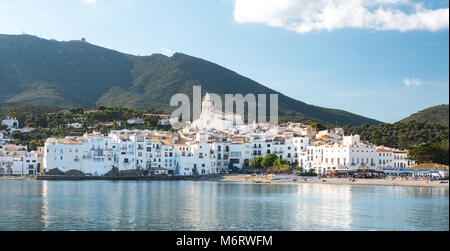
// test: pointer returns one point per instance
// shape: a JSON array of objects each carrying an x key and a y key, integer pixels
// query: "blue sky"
[{"x": 383, "y": 59}]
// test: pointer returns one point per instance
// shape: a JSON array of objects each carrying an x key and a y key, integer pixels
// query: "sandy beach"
[{"x": 274, "y": 179}]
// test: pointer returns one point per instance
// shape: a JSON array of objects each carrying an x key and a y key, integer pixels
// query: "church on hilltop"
[{"x": 212, "y": 119}]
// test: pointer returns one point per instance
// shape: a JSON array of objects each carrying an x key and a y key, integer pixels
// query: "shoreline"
[
  {"x": 244, "y": 178},
  {"x": 127, "y": 178},
  {"x": 18, "y": 178},
  {"x": 274, "y": 179}
]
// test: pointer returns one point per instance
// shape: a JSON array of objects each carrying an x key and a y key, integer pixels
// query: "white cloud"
[
  {"x": 315, "y": 15},
  {"x": 166, "y": 52},
  {"x": 90, "y": 1},
  {"x": 413, "y": 81}
]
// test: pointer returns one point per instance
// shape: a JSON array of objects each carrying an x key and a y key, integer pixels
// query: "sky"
[{"x": 384, "y": 59}]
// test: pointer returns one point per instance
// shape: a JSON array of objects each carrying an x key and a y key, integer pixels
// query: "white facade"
[
  {"x": 208, "y": 152},
  {"x": 216, "y": 143},
  {"x": 217, "y": 120},
  {"x": 136, "y": 121},
  {"x": 75, "y": 125},
  {"x": 3, "y": 139},
  {"x": 17, "y": 160},
  {"x": 96, "y": 155},
  {"x": 11, "y": 122},
  {"x": 354, "y": 154},
  {"x": 401, "y": 160}
]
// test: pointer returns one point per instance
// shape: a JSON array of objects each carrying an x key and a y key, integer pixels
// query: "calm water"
[{"x": 186, "y": 205}]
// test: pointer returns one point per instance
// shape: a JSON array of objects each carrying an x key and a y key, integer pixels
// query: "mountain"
[
  {"x": 433, "y": 115},
  {"x": 78, "y": 74}
]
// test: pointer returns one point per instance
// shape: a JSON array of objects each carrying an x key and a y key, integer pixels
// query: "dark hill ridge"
[
  {"x": 433, "y": 115},
  {"x": 79, "y": 74}
]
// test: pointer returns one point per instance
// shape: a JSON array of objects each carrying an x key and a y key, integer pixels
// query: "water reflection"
[
  {"x": 322, "y": 207},
  {"x": 185, "y": 205}
]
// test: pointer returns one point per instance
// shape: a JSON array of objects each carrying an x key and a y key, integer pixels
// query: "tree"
[
  {"x": 271, "y": 160},
  {"x": 403, "y": 142},
  {"x": 256, "y": 163},
  {"x": 318, "y": 126},
  {"x": 431, "y": 153},
  {"x": 299, "y": 168},
  {"x": 284, "y": 161}
]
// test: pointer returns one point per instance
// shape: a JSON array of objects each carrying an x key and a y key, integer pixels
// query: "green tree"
[
  {"x": 431, "y": 153},
  {"x": 270, "y": 160},
  {"x": 256, "y": 163},
  {"x": 318, "y": 126},
  {"x": 403, "y": 142}
]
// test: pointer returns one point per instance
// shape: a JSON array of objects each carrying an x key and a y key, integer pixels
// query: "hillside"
[
  {"x": 79, "y": 74},
  {"x": 10, "y": 108},
  {"x": 433, "y": 115}
]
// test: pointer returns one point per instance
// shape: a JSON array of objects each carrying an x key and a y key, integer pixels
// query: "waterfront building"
[
  {"x": 212, "y": 152},
  {"x": 17, "y": 160},
  {"x": 401, "y": 160},
  {"x": 216, "y": 143},
  {"x": 354, "y": 154}
]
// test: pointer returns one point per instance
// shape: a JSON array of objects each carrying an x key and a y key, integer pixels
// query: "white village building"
[
  {"x": 354, "y": 154},
  {"x": 212, "y": 119},
  {"x": 17, "y": 160},
  {"x": 216, "y": 143},
  {"x": 11, "y": 122}
]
